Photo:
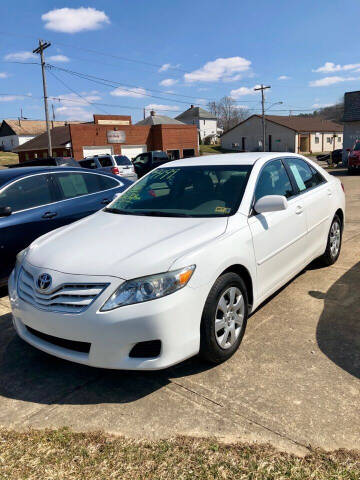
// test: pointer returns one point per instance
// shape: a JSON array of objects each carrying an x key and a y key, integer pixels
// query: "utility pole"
[
  {"x": 262, "y": 88},
  {"x": 40, "y": 49}
]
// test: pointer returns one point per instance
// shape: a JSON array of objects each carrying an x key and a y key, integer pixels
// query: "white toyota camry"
[{"x": 174, "y": 266}]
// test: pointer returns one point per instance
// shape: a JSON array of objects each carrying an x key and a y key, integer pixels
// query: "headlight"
[
  {"x": 19, "y": 260},
  {"x": 148, "y": 288}
]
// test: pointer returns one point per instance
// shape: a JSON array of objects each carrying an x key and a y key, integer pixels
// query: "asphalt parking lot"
[{"x": 294, "y": 381}]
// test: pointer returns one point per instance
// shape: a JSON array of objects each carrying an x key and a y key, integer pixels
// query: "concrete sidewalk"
[{"x": 294, "y": 382}]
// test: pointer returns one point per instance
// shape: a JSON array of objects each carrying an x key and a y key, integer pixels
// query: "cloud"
[
  {"x": 159, "y": 107},
  {"x": 11, "y": 98},
  {"x": 221, "y": 69},
  {"x": 168, "y": 82},
  {"x": 327, "y": 81},
  {"x": 167, "y": 66},
  {"x": 20, "y": 56},
  {"x": 330, "y": 67},
  {"x": 284, "y": 77},
  {"x": 73, "y": 113},
  {"x": 59, "y": 58},
  {"x": 73, "y": 20},
  {"x": 136, "y": 92},
  {"x": 4, "y": 75},
  {"x": 322, "y": 105},
  {"x": 242, "y": 91}
]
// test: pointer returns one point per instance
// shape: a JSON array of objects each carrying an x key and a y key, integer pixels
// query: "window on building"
[
  {"x": 26, "y": 156},
  {"x": 188, "y": 152},
  {"x": 317, "y": 140},
  {"x": 44, "y": 154},
  {"x": 27, "y": 193},
  {"x": 173, "y": 154},
  {"x": 339, "y": 139},
  {"x": 328, "y": 140}
]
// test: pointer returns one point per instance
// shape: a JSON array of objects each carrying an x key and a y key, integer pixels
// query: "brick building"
[{"x": 113, "y": 134}]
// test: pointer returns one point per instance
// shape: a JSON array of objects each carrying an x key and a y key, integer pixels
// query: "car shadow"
[{"x": 338, "y": 329}]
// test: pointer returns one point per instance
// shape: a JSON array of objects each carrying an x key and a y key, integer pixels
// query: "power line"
[{"x": 73, "y": 91}]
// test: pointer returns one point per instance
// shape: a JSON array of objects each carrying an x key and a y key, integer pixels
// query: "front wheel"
[
  {"x": 333, "y": 246},
  {"x": 224, "y": 318}
]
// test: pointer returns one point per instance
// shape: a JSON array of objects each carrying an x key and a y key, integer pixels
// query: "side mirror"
[
  {"x": 271, "y": 203},
  {"x": 5, "y": 211}
]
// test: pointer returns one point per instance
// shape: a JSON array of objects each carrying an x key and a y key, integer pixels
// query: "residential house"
[
  {"x": 284, "y": 134},
  {"x": 205, "y": 122},
  {"x": 14, "y": 133},
  {"x": 154, "y": 119},
  {"x": 351, "y": 121}
]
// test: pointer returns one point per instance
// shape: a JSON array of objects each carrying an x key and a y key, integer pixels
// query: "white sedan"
[{"x": 174, "y": 266}]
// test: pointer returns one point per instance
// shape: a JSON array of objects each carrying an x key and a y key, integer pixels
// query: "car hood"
[{"x": 124, "y": 246}]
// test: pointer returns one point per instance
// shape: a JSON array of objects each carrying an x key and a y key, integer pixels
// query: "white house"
[
  {"x": 14, "y": 133},
  {"x": 284, "y": 134},
  {"x": 205, "y": 121}
]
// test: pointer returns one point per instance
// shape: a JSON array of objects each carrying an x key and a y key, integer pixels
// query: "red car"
[{"x": 354, "y": 158}]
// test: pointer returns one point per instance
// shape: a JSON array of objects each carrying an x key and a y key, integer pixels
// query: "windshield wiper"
[
  {"x": 156, "y": 213},
  {"x": 119, "y": 211}
]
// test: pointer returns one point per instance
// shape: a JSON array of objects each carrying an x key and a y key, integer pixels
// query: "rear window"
[
  {"x": 105, "y": 161},
  {"x": 122, "y": 160}
]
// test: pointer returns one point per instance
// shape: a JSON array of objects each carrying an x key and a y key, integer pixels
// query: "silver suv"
[{"x": 116, "y": 164}]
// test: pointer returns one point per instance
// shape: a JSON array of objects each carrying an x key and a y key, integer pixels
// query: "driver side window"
[{"x": 273, "y": 180}]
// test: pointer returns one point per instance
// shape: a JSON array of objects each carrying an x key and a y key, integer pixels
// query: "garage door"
[
  {"x": 90, "y": 151},
  {"x": 132, "y": 150}
]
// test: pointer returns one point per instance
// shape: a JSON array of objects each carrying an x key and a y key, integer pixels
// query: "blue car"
[{"x": 35, "y": 200}]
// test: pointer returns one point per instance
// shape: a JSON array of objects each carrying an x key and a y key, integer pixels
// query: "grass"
[
  {"x": 62, "y": 454},
  {"x": 208, "y": 149},
  {"x": 7, "y": 158}
]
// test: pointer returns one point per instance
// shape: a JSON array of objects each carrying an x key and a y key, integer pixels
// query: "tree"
[{"x": 228, "y": 112}]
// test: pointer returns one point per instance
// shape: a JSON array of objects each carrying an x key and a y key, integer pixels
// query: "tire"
[
  {"x": 234, "y": 323},
  {"x": 331, "y": 253}
]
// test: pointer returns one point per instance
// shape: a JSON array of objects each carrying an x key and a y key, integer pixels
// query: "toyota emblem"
[{"x": 44, "y": 281}]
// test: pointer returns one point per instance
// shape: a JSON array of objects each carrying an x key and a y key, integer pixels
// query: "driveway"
[{"x": 293, "y": 383}]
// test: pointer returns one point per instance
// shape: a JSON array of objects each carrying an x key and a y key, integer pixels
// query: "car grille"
[{"x": 66, "y": 298}]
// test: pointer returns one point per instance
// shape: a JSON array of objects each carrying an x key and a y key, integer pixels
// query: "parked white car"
[{"x": 175, "y": 265}]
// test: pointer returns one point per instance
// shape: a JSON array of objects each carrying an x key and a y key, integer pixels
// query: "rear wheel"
[
  {"x": 333, "y": 246},
  {"x": 224, "y": 318}
]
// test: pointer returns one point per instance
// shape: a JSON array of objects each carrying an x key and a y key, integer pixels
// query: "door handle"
[
  {"x": 299, "y": 209},
  {"x": 329, "y": 192},
  {"x": 105, "y": 201},
  {"x": 49, "y": 215}
]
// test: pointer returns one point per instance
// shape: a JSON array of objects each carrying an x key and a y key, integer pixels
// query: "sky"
[{"x": 121, "y": 56}]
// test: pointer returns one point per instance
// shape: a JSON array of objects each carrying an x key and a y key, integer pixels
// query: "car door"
[
  {"x": 83, "y": 193},
  {"x": 315, "y": 194},
  {"x": 33, "y": 214},
  {"x": 279, "y": 238}
]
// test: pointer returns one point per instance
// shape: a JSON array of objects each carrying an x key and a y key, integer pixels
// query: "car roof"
[
  {"x": 248, "y": 158},
  {"x": 9, "y": 174}
]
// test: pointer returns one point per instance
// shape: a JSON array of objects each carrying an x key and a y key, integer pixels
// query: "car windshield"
[
  {"x": 122, "y": 160},
  {"x": 199, "y": 191},
  {"x": 357, "y": 146}
]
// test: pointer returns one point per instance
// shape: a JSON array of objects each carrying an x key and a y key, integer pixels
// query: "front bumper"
[{"x": 174, "y": 320}]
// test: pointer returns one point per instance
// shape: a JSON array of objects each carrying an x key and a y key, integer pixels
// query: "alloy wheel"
[
  {"x": 229, "y": 317},
  {"x": 335, "y": 239}
]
